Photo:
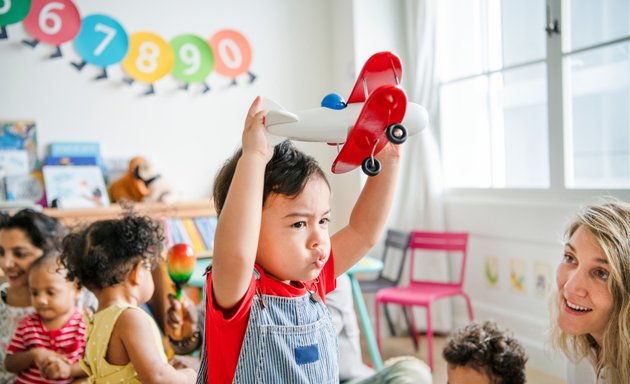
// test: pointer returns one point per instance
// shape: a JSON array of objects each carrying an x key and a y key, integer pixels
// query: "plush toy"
[{"x": 141, "y": 183}]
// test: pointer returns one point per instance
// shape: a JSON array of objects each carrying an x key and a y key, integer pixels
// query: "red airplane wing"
[
  {"x": 385, "y": 106},
  {"x": 381, "y": 68}
]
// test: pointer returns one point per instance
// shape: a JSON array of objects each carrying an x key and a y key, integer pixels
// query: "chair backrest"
[
  {"x": 398, "y": 242},
  {"x": 439, "y": 241}
]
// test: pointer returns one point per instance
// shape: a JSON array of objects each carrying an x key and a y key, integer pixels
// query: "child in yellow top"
[{"x": 114, "y": 259}]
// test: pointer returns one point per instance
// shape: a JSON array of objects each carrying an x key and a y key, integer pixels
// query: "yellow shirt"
[{"x": 100, "y": 329}]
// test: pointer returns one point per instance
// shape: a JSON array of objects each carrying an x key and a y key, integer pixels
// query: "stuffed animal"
[{"x": 141, "y": 183}]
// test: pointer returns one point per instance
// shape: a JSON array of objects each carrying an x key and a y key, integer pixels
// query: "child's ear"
[{"x": 134, "y": 277}]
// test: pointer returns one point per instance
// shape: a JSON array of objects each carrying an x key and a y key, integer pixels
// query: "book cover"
[
  {"x": 194, "y": 235},
  {"x": 20, "y": 135},
  {"x": 70, "y": 160},
  {"x": 206, "y": 227},
  {"x": 78, "y": 149},
  {"x": 14, "y": 162},
  {"x": 70, "y": 186},
  {"x": 26, "y": 187}
]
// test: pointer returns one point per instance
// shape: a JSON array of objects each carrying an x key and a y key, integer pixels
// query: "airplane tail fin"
[{"x": 276, "y": 114}]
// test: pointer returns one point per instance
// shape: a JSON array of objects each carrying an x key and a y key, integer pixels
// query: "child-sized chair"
[
  {"x": 421, "y": 292},
  {"x": 395, "y": 252}
]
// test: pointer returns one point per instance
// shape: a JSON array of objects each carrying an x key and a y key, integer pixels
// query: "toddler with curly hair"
[
  {"x": 483, "y": 353},
  {"x": 114, "y": 259}
]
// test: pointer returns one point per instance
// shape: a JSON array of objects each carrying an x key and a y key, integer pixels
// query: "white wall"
[{"x": 188, "y": 135}]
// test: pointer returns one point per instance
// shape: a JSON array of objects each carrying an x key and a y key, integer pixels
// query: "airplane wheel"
[
  {"x": 396, "y": 133},
  {"x": 371, "y": 166}
]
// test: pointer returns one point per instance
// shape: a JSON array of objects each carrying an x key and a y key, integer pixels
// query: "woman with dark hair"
[{"x": 24, "y": 237}]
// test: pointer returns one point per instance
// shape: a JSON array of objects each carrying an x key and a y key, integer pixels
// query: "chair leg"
[
  {"x": 430, "y": 338},
  {"x": 378, "y": 324},
  {"x": 412, "y": 332},
  {"x": 390, "y": 323},
  {"x": 469, "y": 306},
  {"x": 412, "y": 322}
]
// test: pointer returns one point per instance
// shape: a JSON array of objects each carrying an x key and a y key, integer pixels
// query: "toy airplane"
[{"x": 376, "y": 112}]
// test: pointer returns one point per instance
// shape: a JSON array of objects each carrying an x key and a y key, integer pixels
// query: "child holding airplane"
[{"x": 275, "y": 261}]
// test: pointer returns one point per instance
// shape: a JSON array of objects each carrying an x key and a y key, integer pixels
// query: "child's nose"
[{"x": 317, "y": 238}]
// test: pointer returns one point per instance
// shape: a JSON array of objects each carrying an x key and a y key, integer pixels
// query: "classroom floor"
[{"x": 400, "y": 346}]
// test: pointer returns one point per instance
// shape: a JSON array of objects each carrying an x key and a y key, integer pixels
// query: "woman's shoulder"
[{"x": 9, "y": 312}]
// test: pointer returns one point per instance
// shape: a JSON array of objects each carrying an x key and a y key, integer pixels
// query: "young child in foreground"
[
  {"x": 48, "y": 344},
  {"x": 481, "y": 353},
  {"x": 114, "y": 259},
  {"x": 275, "y": 261}
]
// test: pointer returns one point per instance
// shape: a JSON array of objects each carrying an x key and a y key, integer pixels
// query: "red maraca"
[{"x": 181, "y": 264}]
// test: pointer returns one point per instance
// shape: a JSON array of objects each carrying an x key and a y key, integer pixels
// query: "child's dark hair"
[
  {"x": 286, "y": 173},
  {"x": 43, "y": 231},
  {"x": 488, "y": 350},
  {"x": 105, "y": 253}
]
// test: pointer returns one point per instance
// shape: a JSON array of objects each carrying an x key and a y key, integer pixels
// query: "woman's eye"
[
  {"x": 602, "y": 274},
  {"x": 568, "y": 259}
]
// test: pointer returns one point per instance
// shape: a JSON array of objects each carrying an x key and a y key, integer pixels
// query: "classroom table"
[{"x": 365, "y": 265}]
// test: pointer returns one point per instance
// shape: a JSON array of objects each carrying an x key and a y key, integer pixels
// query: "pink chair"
[{"x": 422, "y": 293}]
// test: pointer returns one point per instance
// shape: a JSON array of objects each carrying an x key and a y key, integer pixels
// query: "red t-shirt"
[
  {"x": 69, "y": 340},
  {"x": 225, "y": 330}
]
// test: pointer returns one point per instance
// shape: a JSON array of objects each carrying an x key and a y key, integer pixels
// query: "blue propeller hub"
[{"x": 333, "y": 101}]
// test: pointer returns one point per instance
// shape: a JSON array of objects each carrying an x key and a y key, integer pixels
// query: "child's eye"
[
  {"x": 324, "y": 221},
  {"x": 299, "y": 224},
  {"x": 34, "y": 293}
]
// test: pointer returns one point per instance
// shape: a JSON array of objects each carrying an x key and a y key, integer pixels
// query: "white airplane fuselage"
[{"x": 330, "y": 125}]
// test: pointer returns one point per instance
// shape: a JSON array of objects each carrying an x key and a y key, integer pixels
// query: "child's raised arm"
[
  {"x": 369, "y": 214},
  {"x": 138, "y": 341},
  {"x": 238, "y": 228}
]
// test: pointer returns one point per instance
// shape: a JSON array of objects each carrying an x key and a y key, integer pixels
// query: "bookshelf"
[{"x": 159, "y": 211}]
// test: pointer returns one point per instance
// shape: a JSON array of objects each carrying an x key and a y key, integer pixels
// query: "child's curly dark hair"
[
  {"x": 105, "y": 253},
  {"x": 488, "y": 350}
]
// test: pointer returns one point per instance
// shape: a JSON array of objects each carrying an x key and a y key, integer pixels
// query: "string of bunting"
[{"x": 145, "y": 57}]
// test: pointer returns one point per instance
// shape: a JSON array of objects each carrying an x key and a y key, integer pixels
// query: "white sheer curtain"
[{"x": 419, "y": 204}]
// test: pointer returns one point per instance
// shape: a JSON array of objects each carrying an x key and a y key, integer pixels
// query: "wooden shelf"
[{"x": 72, "y": 217}]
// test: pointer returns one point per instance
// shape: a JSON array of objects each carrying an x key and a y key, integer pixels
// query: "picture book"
[
  {"x": 78, "y": 149},
  {"x": 70, "y": 160},
  {"x": 25, "y": 187},
  {"x": 70, "y": 186},
  {"x": 20, "y": 135},
  {"x": 14, "y": 162}
]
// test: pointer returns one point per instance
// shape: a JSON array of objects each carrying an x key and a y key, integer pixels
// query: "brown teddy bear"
[{"x": 141, "y": 183}]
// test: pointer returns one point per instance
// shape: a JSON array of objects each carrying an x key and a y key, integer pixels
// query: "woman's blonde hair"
[{"x": 609, "y": 222}]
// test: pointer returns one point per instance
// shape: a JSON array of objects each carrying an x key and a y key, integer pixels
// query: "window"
[
  {"x": 495, "y": 99},
  {"x": 597, "y": 73}
]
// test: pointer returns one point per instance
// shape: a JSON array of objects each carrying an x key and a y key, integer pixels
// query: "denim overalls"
[{"x": 288, "y": 340}]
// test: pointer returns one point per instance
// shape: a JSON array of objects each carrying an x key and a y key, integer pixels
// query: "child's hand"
[
  {"x": 57, "y": 368},
  {"x": 254, "y": 134},
  {"x": 174, "y": 321},
  {"x": 41, "y": 356},
  {"x": 390, "y": 153}
]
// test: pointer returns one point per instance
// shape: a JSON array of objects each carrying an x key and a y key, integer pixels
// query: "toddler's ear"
[{"x": 134, "y": 276}]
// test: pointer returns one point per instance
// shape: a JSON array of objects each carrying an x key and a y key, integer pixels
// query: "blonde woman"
[{"x": 592, "y": 305}]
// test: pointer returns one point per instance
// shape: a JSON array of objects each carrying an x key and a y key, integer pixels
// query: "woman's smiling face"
[
  {"x": 17, "y": 253},
  {"x": 585, "y": 300}
]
